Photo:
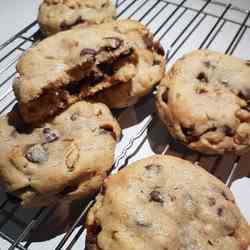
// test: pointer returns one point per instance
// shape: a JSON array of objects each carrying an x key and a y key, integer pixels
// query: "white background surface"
[{"x": 15, "y": 15}]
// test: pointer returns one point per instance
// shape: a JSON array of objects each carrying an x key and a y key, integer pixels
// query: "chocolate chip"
[
  {"x": 106, "y": 68},
  {"x": 154, "y": 168},
  {"x": 248, "y": 63},
  {"x": 202, "y": 77},
  {"x": 74, "y": 116},
  {"x": 210, "y": 242},
  {"x": 232, "y": 233},
  {"x": 220, "y": 211},
  {"x": 115, "y": 42},
  {"x": 156, "y": 197},
  {"x": 158, "y": 48},
  {"x": 50, "y": 135},
  {"x": 165, "y": 96},
  {"x": 156, "y": 62},
  {"x": 37, "y": 154},
  {"x": 207, "y": 64},
  {"x": 95, "y": 229},
  {"x": 228, "y": 131},
  {"x": 64, "y": 25},
  {"x": 89, "y": 53},
  {"x": 241, "y": 95},
  {"x": 188, "y": 131},
  {"x": 211, "y": 201},
  {"x": 225, "y": 83},
  {"x": 225, "y": 196},
  {"x": 148, "y": 42}
]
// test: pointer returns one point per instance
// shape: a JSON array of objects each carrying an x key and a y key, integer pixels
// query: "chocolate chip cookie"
[
  {"x": 164, "y": 202},
  {"x": 57, "y": 161},
  {"x": 66, "y": 68},
  {"x": 60, "y": 15},
  {"x": 204, "y": 101},
  {"x": 150, "y": 67}
]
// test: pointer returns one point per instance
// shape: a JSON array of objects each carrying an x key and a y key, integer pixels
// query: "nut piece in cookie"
[
  {"x": 60, "y": 15},
  {"x": 57, "y": 162},
  {"x": 67, "y": 67},
  {"x": 164, "y": 202},
  {"x": 204, "y": 102}
]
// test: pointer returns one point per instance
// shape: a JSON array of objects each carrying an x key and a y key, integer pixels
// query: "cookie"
[
  {"x": 204, "y": 102},
  {"x": 150, "y": 68},
  {"x": 63, "y": 160},
  {"x": 59, "y": 15},
  {"x": 164, "y": 202},
  {"x": 66, "y": 68}
]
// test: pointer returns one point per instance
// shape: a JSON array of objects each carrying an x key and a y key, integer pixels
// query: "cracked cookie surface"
[
  {"x": 204, "y": 101},
  {"x": 164, "y": 202},
  {"x": 60, "y": 15},
  {"x": 57, "y": 161}
]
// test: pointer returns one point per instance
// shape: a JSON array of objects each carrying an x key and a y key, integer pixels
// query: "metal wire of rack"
[{"x": 175, "y": 24}]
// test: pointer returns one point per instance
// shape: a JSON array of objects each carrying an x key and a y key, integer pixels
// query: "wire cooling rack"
[{"x": 181, "y": 26}]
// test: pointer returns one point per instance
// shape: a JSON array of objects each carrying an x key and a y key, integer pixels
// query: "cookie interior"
[{"x": 93, "y": 78}]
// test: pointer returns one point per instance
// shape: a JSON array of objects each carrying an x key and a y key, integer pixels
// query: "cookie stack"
[{"x": 49, "y": 144}]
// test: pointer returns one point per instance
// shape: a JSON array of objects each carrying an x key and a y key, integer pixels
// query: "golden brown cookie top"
[
  {"x": 204, "y": 102},
  {"x": 38, "y": 164},
  {"x": 164, "y": 202},
  {"x": 60, "y": 15}
]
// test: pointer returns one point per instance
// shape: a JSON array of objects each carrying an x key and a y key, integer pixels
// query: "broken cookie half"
[
  {"x": 67, "y": 67},
  {"x": 76, "y": 64}
]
